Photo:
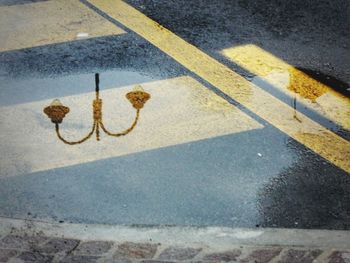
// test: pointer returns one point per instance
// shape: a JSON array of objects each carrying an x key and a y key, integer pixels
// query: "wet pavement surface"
[{"x": 196, "y": 156}]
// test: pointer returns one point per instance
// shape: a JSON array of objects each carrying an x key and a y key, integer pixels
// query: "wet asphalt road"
[
  {"x": 307, "y": 34},
  {"x": 256, "y": 178}
]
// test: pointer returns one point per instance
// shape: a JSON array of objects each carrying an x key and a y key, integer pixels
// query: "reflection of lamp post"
[{"x": 56, "y": 112}]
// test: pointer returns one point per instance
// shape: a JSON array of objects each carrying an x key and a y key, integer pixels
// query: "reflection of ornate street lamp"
[{"x": 56, "y": 112}]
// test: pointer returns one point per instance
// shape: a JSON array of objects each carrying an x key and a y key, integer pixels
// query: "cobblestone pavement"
[{"x": 40, "y": 249}]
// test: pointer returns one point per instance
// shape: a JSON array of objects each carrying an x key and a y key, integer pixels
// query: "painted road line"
[
  {"x": 49, "y": 22},
  {"x": 322, "y": 141},
  {"x": 180, "y": 110},
  {"x": 315, "y": 95}
]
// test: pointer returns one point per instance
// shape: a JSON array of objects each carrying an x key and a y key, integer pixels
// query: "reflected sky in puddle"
[
  {"x": 168, "y": 165},
  {"x": 33, "y": 89},
  {"x": 193, "y": 159},
  {"x": 181, "y": 110}
]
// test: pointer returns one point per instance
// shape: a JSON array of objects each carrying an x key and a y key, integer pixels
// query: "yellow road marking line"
[
  {"x": 290, "y": 80},
  {"x": 322, "y": 141},
  {"x": 180, "y": 110},
  {"x": 43, "y": 23}
]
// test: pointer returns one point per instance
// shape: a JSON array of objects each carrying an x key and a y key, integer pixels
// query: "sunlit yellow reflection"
[{"x": 291, "y": 81}]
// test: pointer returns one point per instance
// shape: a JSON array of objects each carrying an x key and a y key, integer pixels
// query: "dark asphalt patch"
[
  {"x": 306, "y": 189},
  {"x": 285, "y": 17}
]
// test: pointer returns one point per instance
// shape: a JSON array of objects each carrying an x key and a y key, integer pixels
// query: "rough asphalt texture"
[{"x": 308, "y": 34}]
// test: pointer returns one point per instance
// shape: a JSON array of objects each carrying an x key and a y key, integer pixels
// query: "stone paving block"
[
  {"x": 156, "y": 261},
  {"x": 300, "y": 256},
  {"x": 21, "y": 242},
  {"x": 178, "y": 253},
  {"x": 121, "y": 260},
  {"x": 135, "y": 251},
  {"x": 57, "y": 245},
  {"x": 310, "y": 256},
  {"x": 339, "y": 257},
  {"x": 262, "y": 255},
  {"x": 93, "y": 248},
  {"x": 292, "y": 255},
  {"x": 223, "y": 256},
  {"x": 6, "y": 254},
  {"x": 34, "y": 257},
  {"x": 80, "y": 259}
]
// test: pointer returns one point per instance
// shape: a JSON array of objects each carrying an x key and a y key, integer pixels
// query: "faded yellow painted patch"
[
  {"x": 255, "y": 99},
  {"x": 316, "y": 137},
  {"x": 262, "y": 63},
  {"x": 292, "y": 81},
  {"x": 49, "y": 22}
]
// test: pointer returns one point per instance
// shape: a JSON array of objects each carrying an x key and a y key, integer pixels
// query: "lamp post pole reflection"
[{"x": 56, "y": 112}]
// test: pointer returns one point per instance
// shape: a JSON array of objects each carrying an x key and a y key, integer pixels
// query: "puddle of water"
[
  {"x": 207, "y": 182},
  {"x": 192, "y": 159},
  {"x": 17, "y": 91},
  {"x": 178, "y": 112},
  {"x": 138, "y": 171}
]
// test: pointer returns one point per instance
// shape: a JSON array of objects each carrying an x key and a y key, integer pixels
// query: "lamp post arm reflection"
[
  {"x": 124, "y": 132},
  {"x": 56, "y": 112},
  {"x": 75, "y": 142}
]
